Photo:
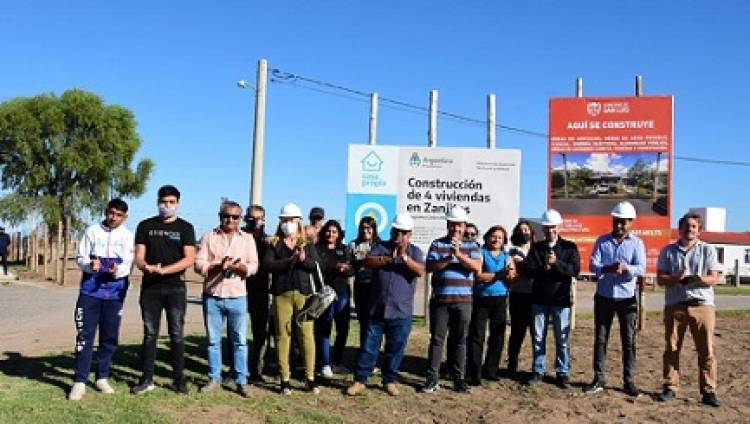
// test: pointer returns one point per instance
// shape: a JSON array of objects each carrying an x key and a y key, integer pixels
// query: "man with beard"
[{"x": 618, "y": 259}]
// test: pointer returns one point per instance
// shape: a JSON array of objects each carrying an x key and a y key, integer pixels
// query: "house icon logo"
[
  {"x": 414, "y": 160},
  {"x": 372, "y": 162},
  {"x": 594, "y": 108}
]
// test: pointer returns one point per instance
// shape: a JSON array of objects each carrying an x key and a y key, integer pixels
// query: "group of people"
[{"x": 273, "y": 277}]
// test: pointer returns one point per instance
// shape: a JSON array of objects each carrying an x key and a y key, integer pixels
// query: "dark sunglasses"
[
  {"x": 226, "y": 216},
  {"x": 472, "y": 235}
]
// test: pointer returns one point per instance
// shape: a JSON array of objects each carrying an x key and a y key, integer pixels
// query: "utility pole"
[
  {"x": 579, "y": 93},
  {"x": 432, "y": 120},
  {"x": 372, "y": 138},
  {"x": 431, "y": 142},
  {"x": 259, "y": 134},
  {"x": 491, "y": 122}
]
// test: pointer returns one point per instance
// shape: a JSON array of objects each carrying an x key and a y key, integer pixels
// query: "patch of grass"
[
  {"x": 34, "y": 389},
  {"x": 732, "y": 290}
]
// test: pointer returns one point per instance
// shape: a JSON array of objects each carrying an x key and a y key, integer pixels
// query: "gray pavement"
[{"x": 37, "y": 318}]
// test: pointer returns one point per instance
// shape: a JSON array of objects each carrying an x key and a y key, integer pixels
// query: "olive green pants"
[{"x": 286, "y": 307}]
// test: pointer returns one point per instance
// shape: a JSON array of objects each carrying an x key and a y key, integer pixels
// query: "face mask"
[
  {"x": 524, "y": 238},
  {"x": 288, "y": 228},
  {"x": 167, "y": 212},
  {"x": 252, "y": 224}
]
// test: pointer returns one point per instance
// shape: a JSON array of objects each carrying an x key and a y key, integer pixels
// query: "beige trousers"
[{"x": 701, "y": 321}]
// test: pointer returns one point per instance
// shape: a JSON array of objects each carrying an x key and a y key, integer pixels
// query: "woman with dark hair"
[
  {"x": 490, "y": 300},
  {"x": 520, "y": 292},
  {"x": 336, "y": 259},
  {"x": 367, "y": 237}
]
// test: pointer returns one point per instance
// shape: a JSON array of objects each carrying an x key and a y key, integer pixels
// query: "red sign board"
[{"x": 603, "y": 150}]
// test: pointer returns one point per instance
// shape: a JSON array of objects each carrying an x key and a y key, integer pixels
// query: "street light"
[{"x": 244, "y": 84}]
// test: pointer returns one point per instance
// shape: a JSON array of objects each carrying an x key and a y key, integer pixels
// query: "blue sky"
[{"x": 175, "y": 64}]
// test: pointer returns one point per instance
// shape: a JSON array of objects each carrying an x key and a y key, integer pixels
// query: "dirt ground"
[
  {"x": 514, "y": 402},
  {"x": 507, "y": 400}
]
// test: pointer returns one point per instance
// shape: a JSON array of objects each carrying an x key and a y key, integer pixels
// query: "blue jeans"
[
  {"x": 339, "y": 312},
  {"x": 234, "y": 309},
  {"x": 561, "y": 325},
  {"x": 396, "y": 333}
]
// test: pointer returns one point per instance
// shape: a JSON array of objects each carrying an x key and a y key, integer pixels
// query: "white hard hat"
[
  {"x": 290, "y": 210},
  {"x": 403, "y": 221},
  {"x": 623, "y": 210},
  {"x": 551, "y": 217},
  {"x": 456, "y": 214}
]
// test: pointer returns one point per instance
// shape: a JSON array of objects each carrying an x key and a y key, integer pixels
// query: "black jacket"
[
  {"x": 285, "y": 276},
  {"x": 257, "y": 284},
  {"x": 4, "y": 243},
  {"x": 329, "y": 258},
  {"x": 552, "y": 287}
]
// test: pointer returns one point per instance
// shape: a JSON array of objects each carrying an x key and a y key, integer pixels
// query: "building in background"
[{"x": 732, "y": 247}]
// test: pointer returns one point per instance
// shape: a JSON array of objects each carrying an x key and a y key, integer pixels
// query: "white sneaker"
[
  {"x": 103, "y": 385},
  {"x": 77, "y": 391},
  {"x": 340, "y": 369},
  {"x": 326, "y": 371}
]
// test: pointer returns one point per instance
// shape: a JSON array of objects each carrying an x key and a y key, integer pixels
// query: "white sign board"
[{"x": 425, "y": 182}]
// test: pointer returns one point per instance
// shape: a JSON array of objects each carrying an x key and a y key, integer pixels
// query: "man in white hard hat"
[
  {"x": 453, "y": 262},
  {"x": 553, "y": 262},
  {"x": 617, "y": 260},
  {"x": 688, "y": 269},
  {"x": 397, "y": 264}
]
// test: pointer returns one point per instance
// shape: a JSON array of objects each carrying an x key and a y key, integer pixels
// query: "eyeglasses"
[
  {"x": 471, "y": 234},
  {"x": 227, "y": 216}
]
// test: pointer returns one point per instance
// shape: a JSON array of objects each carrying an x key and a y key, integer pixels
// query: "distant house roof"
[{"x": 728, "y": 237}]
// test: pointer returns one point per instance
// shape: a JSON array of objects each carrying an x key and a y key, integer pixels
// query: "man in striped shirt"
[{"x": 453, "y": 263}]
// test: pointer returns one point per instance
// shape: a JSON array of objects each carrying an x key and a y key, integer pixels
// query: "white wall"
[
  {"x": 734, "y": 252},
  {"x": 714, "y": 219}
]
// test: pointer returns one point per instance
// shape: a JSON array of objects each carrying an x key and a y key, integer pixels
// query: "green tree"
[{"x": 64, "y": 156}]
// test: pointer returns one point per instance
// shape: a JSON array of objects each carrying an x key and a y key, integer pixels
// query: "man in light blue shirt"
[{"x": 618, "y": 259}]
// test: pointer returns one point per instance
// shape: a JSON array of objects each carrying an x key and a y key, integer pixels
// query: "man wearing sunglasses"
[
  {"x": 618, "y": 259},
  {"x": 471, "y": 233},
  {"x": 226, "y": 256}
]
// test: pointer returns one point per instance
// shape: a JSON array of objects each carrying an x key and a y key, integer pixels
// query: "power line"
[
  {"x": 713, "y": 161},
  {"x": 283, "y": 76},
  {"x": 287, "y": 77}
]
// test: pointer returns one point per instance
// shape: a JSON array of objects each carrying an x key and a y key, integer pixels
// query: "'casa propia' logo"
[
  {"x": 414, "y": 160},
  {"x": 372, "y": 162}
]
